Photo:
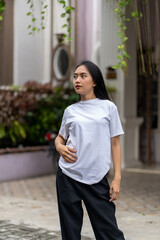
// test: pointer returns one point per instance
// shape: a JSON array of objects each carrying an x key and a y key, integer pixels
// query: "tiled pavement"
[
  {"x": 22, "y": 232},
  {"x": 28, "y": 208}
]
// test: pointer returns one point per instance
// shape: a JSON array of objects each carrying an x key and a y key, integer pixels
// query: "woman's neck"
[{"x": 85, "y": 98}]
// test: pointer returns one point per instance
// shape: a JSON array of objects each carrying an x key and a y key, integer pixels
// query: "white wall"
[{"x": 31, "y": 52}]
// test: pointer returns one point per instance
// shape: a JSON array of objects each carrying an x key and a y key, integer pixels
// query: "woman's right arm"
[{"x": 66, "y": 152}]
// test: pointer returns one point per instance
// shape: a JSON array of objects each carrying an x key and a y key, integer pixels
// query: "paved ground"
[{"x": 28, "y": 208}]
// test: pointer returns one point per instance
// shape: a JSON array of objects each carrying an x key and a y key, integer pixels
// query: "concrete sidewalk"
[{"x": 28, "y": 208}]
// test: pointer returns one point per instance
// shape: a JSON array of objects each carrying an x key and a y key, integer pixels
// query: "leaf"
[
  {"x": 34, "y": 29},
  {"x": 69, "y": 39},
  {"x": 128, "y": 19},
  {"x": 63, "y": 15},
  {"x": 116, "y": 66},
  {"x": 119, "y": 24},
  {"x": 119, "y": 57},
  {"x": 1, "y": 18},
  {"x": 137, "y": 14},
  {"x": 123, "y": 63},
  {"x": 29, "y": 13},
  {"x": 121, "y": 4},
  {"x": 2, "y": 7},
  {"x": 22, "y": 131},
  {"x": 72, "y": 8},
  {"x": 69, "y": 29},
  {"x": 11, "y": 135},
  {"x": 64, "y": 36},
  {"x": 120, "y": 46},
  {"x": 67, "y": 8},
  {"x": 125, "y": 54},
  {"x": 64, "y": 26},
  {"x": 68, "y": 11},
  {"x": 124, "y": 28},
  {"x": 117, "y": 10},
  {"x": 2, "y": 131},
  {"x": 18, "y": 129},
  {"x": 43, "y": 12},
  {"x": 124, "y": 39},
  {"x": 120, "y": 34},
  {"x": 33, "y": 19},
  {"x": 29, "y": 26}
]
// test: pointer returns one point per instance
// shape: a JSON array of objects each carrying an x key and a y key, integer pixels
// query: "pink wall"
[{"x": 85, "y": 28}]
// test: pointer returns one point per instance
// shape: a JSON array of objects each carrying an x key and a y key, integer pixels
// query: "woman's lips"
[{"x": 77, "y": 87}]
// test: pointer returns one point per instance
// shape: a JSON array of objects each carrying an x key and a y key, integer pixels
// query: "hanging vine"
[
  {"x": 67, "y": 15},
  {"x": 120, "y": 10},
  {"x": 34, "y": 25},
  {"x": 2, "y": 8}
]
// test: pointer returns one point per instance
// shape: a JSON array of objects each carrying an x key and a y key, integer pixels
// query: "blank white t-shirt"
[{"x": 88, "y": 127}]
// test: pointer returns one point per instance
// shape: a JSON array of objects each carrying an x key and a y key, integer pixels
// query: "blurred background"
[
  {"x": 41, "y": 42},
  {"x": 36, "y": 69}
]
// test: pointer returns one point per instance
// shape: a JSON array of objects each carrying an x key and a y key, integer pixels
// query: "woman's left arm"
[{"x": 116, "y": 157}]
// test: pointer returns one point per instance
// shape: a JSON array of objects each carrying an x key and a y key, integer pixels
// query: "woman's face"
[{"x": 83, "y": 83}]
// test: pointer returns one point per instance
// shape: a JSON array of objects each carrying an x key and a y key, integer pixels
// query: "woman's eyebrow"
[{"x": 80, "y": 73}]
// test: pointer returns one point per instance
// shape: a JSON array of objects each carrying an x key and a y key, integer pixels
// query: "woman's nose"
[{"x": 77, "y": 79}]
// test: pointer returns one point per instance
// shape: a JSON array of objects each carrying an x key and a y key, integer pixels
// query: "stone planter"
[{"x": 25, "y": 162}]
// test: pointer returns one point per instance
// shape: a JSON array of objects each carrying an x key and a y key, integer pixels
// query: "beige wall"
[{"x": 6, "y": 46}]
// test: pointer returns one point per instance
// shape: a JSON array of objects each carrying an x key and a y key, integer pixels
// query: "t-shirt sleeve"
[
  {"x": 64, "y": 132},
  {"x": 115, "y": 123}
]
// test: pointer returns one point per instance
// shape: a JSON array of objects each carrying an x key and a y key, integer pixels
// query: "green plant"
[
  {"x": 16, "y": 131},
  {"x": 34, "y": 26},
  {"x": 13, "y": 106},
  {"x": 48, "y": 115},
  {"x": 120, "y": 10},
  {"x": 2, "y": 8},
  {"x": 67, "y": 15},
  {"x": 27, "y": 113}
]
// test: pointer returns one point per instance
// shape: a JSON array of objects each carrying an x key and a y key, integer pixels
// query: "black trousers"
[{"x": 70, "y": 194}]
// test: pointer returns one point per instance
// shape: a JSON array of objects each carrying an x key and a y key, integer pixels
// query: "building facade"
[{"x": 94, "y": 36}]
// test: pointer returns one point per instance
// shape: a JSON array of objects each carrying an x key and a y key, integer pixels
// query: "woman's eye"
[{"x": 83, "y": 76}]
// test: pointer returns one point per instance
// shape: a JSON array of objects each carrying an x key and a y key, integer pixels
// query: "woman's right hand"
[{"x": 67, "y": 153}]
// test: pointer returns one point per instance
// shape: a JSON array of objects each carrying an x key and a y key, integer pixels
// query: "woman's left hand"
[{"x": 114, "y": 189}]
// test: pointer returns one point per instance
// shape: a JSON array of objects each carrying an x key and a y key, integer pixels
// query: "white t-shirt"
[{"x": 88, "y": 126}]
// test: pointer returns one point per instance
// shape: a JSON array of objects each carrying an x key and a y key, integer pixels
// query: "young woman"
[{"x": 88, "y": 135}]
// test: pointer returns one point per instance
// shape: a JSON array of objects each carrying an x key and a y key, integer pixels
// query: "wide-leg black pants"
[{"x": 70, "y": 194}]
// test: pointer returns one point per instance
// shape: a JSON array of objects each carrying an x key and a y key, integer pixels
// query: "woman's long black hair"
[{"x": 100, "y": 88}]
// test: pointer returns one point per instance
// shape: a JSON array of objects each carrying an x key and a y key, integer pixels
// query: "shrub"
[{"x": 27, "y": 114}]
